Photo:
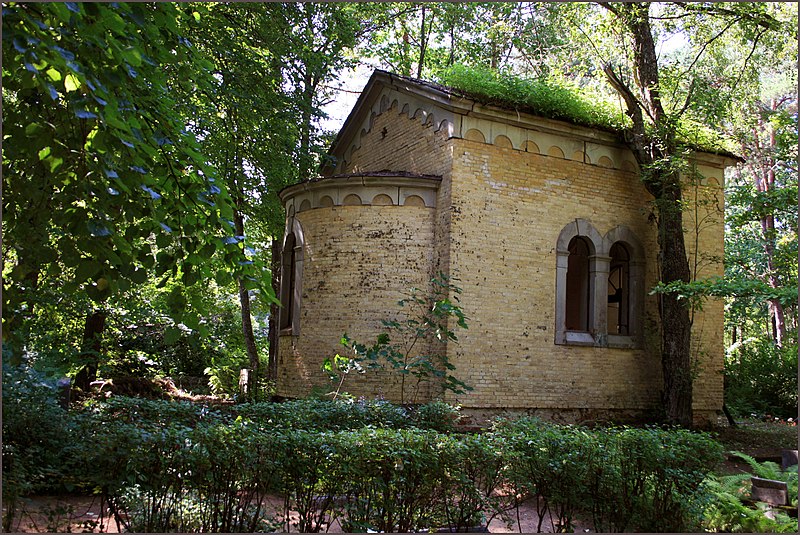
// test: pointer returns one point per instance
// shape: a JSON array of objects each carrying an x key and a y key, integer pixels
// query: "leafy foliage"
[
  {"x": 761, "y": 378},
  {"x": 116, "y": 181},
  {"x": 647, "y": 479},
  {"x": 728, "y": 513}
]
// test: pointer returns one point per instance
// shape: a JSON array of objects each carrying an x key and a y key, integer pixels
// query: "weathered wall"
[
  {"x": 358, "y": 260},
  {"x": 509, "y": 207},
  {"x": 398, "y": 142},
  {"x": 705, "y": 243}
]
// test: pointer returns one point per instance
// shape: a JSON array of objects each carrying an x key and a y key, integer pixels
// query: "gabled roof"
[{"x": 451, "y": 108}]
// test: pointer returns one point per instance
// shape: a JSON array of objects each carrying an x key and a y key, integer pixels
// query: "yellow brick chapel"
[{"x": 543, "y": 224}]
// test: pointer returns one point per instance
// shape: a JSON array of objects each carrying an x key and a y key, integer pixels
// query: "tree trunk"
[
  {"x": 654, "y": 146},
  {"x": 676, "y": 325},
  {"x": 247, "y": 322},
  {"x": 90, "y": 350},
  {"x": 423, "y": 42},
  {"x": 765, "y": 181}
]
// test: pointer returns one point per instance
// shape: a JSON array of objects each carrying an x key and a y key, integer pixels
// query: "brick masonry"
[{"x": 499, "y": 211}]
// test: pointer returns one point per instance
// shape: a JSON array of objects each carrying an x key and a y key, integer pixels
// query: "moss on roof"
[{"x": 563, "y": 101}]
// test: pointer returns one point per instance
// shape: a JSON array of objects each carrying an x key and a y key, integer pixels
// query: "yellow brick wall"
[
  {"x": 397, "y": 142},
  {"x": 705, "y": 242},
  {"x": 357, "y": 261},
  {"x": 509, "y": 207}
]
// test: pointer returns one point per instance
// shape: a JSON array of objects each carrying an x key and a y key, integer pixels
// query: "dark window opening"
[
  {"x": 288, "y": 284},
  {"x": 619, "y": 290},
  {"x": 578, "y": 288}
]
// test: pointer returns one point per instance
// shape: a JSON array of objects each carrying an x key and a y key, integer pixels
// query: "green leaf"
[
  {"x": 71, "y": 83},
  {"x": 55, "y": 163},
  {"x": 171, "y": 335},
  {"x": 53, "y": 74},
  {"x": 86, "y": 270},
  {"x": 44, "y": 153}
]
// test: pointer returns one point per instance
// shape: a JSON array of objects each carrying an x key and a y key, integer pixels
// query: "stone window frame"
[
  {"x": 599, "y": 265},
  {"x": 291, "y": 325}
]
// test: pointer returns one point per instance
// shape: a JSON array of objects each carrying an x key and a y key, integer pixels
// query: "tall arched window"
[
  {"x": 291, "y": 279},
  {"x": 578, "y": 298},
  {"x": 288, "y": 268},
  {"x": 619, "y": 290},
  {"x": 577, "y": 292}
]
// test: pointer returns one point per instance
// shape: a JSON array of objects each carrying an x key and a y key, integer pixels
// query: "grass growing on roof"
[
  {"x": 563, "y": 100},
  {"x": 545, "y": 97}
]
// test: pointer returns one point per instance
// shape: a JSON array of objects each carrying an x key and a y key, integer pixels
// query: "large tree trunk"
[
  {"x": 90, "y": 351},
  {"x": 676, "y": 324},
  {"x": 655, "y": 146}
]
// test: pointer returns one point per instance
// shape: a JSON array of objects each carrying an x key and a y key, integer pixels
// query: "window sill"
[
  {"x": 578, "y": 338},
  {"x": 586, "y": 339},
  {"x": 286, "y": 331}
]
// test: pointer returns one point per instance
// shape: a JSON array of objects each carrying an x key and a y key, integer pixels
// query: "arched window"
[
  {"x": 288, "y": 268},
  {"x": 599, "y": 285},
  {"x": 578, "y": 298},
  {"x": 291, "y": 279},
  {"x": 577, "y": 265},
  {"x": 619, "y": 290}
]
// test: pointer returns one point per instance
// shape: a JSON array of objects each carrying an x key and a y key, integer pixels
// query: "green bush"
[
  {"x": 648, "y": 479},
  {"x": 155, "y": 413},
  {"x": 392, "y": 479},
  {"x": 175, "y": 466},
  {"x": 761, "y": 378},
  {"x": 210, "y": 478}
]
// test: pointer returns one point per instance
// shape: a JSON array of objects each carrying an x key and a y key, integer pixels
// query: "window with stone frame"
[
  {"x": 291, "y": 277},
  {"x": 619, "y": 290},
  {"x": 599, "y": 284}
]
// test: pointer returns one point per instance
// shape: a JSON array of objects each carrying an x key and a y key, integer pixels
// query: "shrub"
[
  {"x": 474, "y": 470},
  {"x": 42, "y": 443},
  {"x": 761, "y": 378},
  {"x": 546, "y": 461},
  {"x": 436, "y": 415},
  {"x": 209, "y": 478},
  {"x": 649, "y": 479},
  {"x": 392, "y": 479}
]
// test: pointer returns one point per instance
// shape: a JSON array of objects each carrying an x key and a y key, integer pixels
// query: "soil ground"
[{"x": 82, "y": 514}]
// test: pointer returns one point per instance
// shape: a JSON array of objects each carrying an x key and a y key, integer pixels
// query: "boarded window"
[{"x": 578, "y": 287}]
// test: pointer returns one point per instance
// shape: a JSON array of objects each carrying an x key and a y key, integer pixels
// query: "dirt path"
[{"x": 82, "y": 514}]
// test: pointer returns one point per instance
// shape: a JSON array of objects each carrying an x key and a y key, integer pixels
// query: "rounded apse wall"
[{"x": 358, "y": 243}]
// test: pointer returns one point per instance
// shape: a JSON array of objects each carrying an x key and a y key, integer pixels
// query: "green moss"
[
  {"x": 565, "y": 101},
  {"x": 544, "y": 97}
]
